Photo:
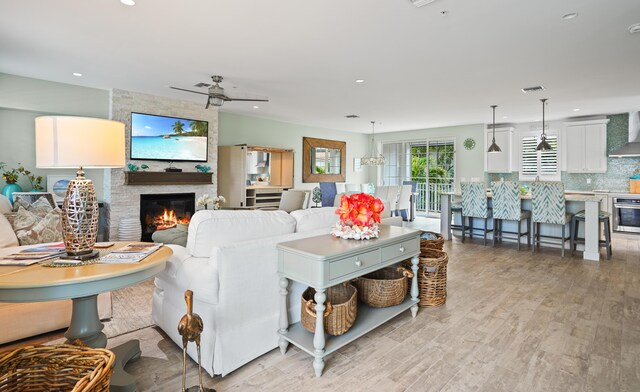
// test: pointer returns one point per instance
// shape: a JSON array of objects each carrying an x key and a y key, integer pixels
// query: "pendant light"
[
  {"x": 543, "y": 145},
  {"x": 373, "y": 158},
  {"x": 494, "y": 147}
]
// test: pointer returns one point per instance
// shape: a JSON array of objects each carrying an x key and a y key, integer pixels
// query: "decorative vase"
[
  {"x": 129, "y": 229},
  {"x": 9, "y": 189},
  {"x": 354, "y": 232}
]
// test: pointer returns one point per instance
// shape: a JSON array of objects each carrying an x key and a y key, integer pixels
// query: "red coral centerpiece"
[{"x": 359, "y": 217}]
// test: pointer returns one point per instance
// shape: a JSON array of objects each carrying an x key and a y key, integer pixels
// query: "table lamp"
[{"x": 79, "y": 142}]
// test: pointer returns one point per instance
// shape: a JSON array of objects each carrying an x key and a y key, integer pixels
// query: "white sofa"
[
  {"x": 230, "y": 263},
  {"x": 26, "y": 319}
]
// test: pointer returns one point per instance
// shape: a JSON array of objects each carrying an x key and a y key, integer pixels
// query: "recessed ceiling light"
[
  {"x": 634, "y": 28},
  {"x": 569, "y": 16},
  {"x": 576, "y": 110},
  {"x": 256, "y": 107},
  {"x": 359, "y": 80},
  {"x": 77, "y": 74},
  {"x": 128, "y": 2}
]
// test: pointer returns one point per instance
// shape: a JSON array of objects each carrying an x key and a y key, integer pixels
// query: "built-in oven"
[{"x": 626, "y": 214}]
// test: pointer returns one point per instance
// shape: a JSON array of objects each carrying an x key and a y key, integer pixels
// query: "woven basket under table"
[
  {"x": 432, "y": 277},
  {"x": 384, "y": 287},
  {"x": 56, "y": 368},
  {"x": 431, "y": 240},
  {"x": 340, "y": 313}
]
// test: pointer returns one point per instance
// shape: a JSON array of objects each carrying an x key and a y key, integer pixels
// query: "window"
[{"x": 542, "y": 164}]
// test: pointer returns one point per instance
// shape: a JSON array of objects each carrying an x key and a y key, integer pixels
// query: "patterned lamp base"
[{"x": 80, "y": 217}]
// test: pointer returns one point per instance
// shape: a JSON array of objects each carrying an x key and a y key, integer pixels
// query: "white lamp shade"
[{"x": 71, "y": 142}]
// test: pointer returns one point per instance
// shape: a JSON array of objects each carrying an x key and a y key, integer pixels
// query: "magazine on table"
[
  {"x": 131, "y": 253},
  {"x": 33, "y": 255}
]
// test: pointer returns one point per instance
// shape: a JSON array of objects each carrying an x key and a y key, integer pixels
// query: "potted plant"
[
  {"x": 10, "y": 177},
  {"x": 36, "y": 182}
]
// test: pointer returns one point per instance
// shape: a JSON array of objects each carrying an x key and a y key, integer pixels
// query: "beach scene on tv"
[{"x": 168, "y": 138}]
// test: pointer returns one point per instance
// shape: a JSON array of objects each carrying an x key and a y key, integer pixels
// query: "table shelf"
[{"x": 368, "y": 319}]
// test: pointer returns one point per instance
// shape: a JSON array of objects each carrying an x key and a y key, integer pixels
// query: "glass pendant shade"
[
  {"x": 374, "y": 158},
  {"x": 216, "y": 101},
  {"x": 543, "y": 145},
  {"x": 494, "y": 147}
]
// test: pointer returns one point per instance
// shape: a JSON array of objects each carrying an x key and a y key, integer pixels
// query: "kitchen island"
[{"x": 590, "y": 230}]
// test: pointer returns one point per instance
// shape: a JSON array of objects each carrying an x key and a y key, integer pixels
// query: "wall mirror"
[{"x": 323, "y": 160}]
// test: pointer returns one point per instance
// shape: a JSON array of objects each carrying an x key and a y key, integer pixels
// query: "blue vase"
[{"x": 9, "y": 189}]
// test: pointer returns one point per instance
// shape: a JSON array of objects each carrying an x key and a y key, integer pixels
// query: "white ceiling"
[{"x": 421, "y": 69}]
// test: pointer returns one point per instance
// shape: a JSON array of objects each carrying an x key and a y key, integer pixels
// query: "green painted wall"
[
  {"x": 238, "y": 129},
  {"x": 469, "y": 163},
  {"x": 24, "y": 99}
]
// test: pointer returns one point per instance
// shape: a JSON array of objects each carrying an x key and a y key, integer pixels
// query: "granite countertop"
[{"x": 569, "y": 196}]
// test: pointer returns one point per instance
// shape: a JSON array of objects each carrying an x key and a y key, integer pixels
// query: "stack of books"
[
  {"x": 34, "y": 255},
  {"x": 131, "y": 253}
]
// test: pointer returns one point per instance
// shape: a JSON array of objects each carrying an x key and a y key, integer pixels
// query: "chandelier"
[{"x": 373, "y": 158}]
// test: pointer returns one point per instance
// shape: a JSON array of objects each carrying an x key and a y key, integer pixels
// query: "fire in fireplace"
[{"x": 165, "y": 211}]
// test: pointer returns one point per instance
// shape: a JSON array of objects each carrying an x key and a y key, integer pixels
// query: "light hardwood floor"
[{"x": 513, "y": 321}]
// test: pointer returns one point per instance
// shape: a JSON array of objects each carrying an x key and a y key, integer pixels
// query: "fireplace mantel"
[{"x": 167, "y": 178}]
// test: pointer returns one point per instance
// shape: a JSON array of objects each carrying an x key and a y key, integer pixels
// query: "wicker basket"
[
  {"x": 432, "y": 277},
  {"x": 341, "y": 311},
  {"x": 385, "y": 287},
  {"x": 431, "y": 240},
  {"x": 56, "y": 368}
]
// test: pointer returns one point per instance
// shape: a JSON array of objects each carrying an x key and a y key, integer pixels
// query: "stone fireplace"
[
  {"x": 123, "y": 200},
  {"x": 165, "y": 211}
]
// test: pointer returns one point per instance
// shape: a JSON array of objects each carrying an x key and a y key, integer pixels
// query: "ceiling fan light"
[{"x": 216, "y": 101}]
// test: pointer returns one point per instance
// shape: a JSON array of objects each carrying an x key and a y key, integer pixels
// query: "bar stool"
[
  {"x": 475, "y": 205},
  {"x": 548, "y": 206},
  {"x": 456, "y": 208},
  {"x": 507, "y": 206},
  {"x": 603, "y": 217}
]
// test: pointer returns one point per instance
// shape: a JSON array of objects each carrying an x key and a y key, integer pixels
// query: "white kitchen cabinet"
[
  {"x": 586, "y": 146},
  {"x": 499, "y": 162}
]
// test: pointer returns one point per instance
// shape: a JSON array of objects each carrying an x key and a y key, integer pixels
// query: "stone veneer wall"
[
  {"x": 123, "y": 201},
  {"x": 616, "y": 179}
]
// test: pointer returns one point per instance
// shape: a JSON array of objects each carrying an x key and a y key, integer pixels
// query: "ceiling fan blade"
[
  {"x": 189, "y": 91},
  {"x": 248, "y": 99}
]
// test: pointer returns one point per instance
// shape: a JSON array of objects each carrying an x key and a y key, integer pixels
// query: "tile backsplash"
[{"x": 616, "y": 179}]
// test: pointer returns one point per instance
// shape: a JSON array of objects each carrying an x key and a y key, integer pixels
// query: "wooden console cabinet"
[{"x": 237, "y": 173}]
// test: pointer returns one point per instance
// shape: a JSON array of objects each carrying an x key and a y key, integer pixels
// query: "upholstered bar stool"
[
  {"x": 603, "y": 217},
  {"x": 548, "y": 206},
  {"x": 475, "y": 205},
  {"x": 507, "y": 206},
  {"x": 456, "y": 208}
]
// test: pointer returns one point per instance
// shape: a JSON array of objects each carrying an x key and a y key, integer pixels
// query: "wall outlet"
[{"x": 588, "y": 181}]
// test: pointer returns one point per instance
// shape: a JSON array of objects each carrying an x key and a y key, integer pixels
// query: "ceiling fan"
[{"x": 216, "y": 95}]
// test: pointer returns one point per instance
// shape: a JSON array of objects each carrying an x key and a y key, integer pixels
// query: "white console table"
[{"x": 325, "y": 261}]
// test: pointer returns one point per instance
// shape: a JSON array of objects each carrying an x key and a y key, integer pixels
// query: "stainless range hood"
[{"x": 631, "y": 149}]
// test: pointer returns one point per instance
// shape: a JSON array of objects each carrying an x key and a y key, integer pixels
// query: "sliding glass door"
[{"x": 429, "y": 163}]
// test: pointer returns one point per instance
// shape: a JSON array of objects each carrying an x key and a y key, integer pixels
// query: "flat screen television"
[{"x": 162, "y": 138}]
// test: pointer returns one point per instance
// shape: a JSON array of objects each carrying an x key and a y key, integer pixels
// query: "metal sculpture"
[{"x": 190, "y": 328}]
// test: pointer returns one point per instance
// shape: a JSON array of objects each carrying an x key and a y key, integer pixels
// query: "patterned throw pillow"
[
  {"x": 41, "y": 206},
  {"x": 30, "y": 228}
]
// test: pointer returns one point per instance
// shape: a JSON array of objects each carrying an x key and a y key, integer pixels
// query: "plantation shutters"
[{"x": 542, "y": 164}]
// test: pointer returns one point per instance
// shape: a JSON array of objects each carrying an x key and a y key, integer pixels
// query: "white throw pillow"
[
  {"x": 7, "y": 236},
  {"x": 5, "y": 205},
  {"x": 315, "y": 218}
]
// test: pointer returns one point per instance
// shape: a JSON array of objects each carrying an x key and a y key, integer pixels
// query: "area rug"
[{"x": 131, "y": 308}]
